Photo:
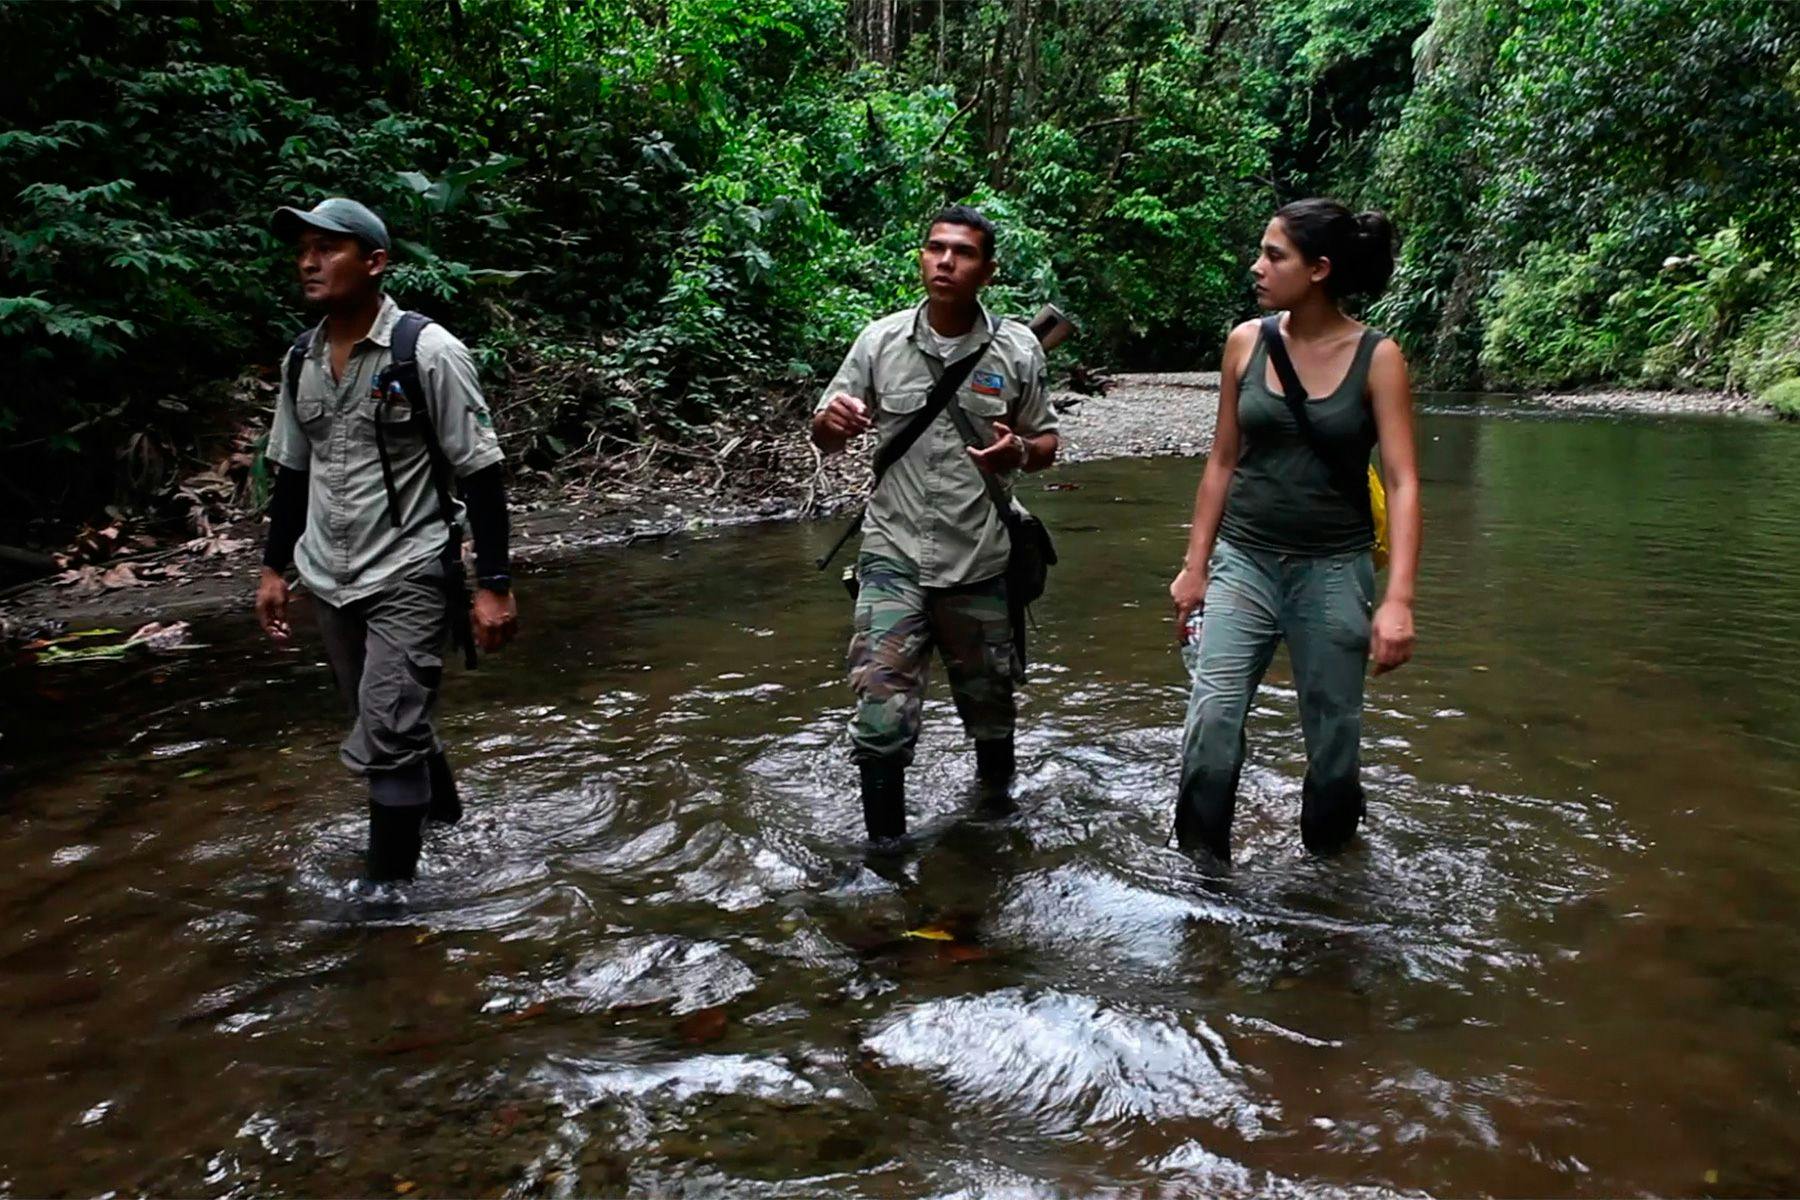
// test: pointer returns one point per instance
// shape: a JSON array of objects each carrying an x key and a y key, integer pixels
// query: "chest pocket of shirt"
[
  {"x": 902, "y": 401},
  {"x": 393, "y": 418},
  {"x": 310, "y": 412},
  {"x": 987, "y": 392}
]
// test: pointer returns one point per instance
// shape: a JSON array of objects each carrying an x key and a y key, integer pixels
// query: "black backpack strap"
[
  {"x": 948, "y": 380},
  {"x": 402, "y": 372},
  {"x": 1350, "y": 479},
  {"x": 296, "y": 356}
]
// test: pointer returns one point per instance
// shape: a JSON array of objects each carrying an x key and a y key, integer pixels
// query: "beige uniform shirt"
[
  {"x": 350, "y": 548},
  {"x": 931, "y": 509}
]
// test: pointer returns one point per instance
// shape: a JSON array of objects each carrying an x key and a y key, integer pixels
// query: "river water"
[{"x": 1564, "y": 959}]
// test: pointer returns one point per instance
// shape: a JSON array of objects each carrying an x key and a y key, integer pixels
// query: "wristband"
[{"x": 500, "y": 585}]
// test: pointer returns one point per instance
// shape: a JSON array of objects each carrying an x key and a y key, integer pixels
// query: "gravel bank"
[
  {"x": 1141, "y": 416},
  {"x": 1662, "y": 404}
]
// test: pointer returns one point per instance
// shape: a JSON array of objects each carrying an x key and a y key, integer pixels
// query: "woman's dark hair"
[{"x": 1359, "y": 245}]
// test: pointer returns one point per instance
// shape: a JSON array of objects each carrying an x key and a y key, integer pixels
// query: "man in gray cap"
[{"x": 379, "y": 418}]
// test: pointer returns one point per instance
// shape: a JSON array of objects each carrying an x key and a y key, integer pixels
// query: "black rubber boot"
[
  {"x": 994, "y": 762},
  {"x": 1203, "y": 812},
  {"x": 446, "y": 804},
  {"x": 1329, "y": 814},
  {"x": 396, "y": 834},
  {"x": 884, "y": 800},
  {"x": 994, "y": 767}
]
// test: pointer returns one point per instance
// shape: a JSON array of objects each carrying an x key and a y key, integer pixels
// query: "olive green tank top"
[{"x": 1282, "y": 497}]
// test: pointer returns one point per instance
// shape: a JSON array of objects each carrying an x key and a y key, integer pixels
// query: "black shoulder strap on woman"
[{"x": 1349, "y": 478}]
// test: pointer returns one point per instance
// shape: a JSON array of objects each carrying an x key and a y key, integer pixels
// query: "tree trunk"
[
  {"x": 941, "y": 30},
  {"x": 994, "y": 107},
  {"x": 873, "y": 26}
]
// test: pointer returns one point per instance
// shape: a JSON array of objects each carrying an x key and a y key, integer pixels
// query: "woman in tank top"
[{"x": 1280, "y": 544}]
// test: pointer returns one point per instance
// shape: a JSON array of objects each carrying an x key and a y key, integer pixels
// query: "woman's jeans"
[{"x": 1321, "y": 605}]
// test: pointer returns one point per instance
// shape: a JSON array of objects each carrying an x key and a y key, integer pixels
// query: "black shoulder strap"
[
  {"x": 296, "y": 355},
  {"x": 945, "y": 387},
  {"x": 1349, "y": 479},
  {"x": 403, "y": 355},
  {"x": 973, "y": 439},
  {"x": 403, "y": 369},
  {"x": 1291, "y": 387},
  {"x": 948, "y": 380}
]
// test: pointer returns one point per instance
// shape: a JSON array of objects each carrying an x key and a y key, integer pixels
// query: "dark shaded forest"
[{"x": 644, "y": 214}]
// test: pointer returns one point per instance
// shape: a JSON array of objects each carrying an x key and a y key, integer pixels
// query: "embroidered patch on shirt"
[{"x": 987, "y": 383}]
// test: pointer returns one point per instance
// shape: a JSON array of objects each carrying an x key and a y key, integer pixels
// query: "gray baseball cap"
[{"x": 336, "y": 215}]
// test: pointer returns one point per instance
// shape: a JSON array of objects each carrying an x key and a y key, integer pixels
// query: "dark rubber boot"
[
  {"x": 396, "y": 834},
  {"x": 994, "y": 767},
  {"x": 446, "y": 804},
  {"x": 1329, "y": 814},
  {"x": 994, "y": 762},
  {"x": 884, "y": 800},
  {"x": 1203, "y": 812}
]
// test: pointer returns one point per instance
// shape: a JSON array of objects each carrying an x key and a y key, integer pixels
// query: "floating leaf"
[
  {"x": 703, "y": 1025},
  {"x": 931, "y": 933},
  {"x": 56, "y": 654},
  {"x": 194, "y": 773}
]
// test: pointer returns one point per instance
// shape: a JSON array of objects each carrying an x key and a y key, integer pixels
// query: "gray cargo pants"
[
  {"x": 1255, "y": 599},
  {"x": 386, "y": 652}
]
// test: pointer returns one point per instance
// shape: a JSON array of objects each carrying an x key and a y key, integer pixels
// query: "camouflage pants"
[{"x": 897, "y": 624}]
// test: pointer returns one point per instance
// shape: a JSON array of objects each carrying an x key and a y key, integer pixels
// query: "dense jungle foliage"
[{"x": 643, "y": 212}]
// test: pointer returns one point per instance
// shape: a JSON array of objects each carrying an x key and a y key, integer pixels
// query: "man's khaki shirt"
[
  {"x": 351, "y": 548},
  {"x": 931, "y": 508}
]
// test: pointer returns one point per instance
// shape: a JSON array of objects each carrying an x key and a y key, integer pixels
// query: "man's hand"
[
  {"x": 1189, "y": 593},
  {"x": 842, "y": 418},
  {"x": 1391, "y": 636},
  {"x": 272, "y": 605},
  {"x": 494, "y": 619},
  {"x": 1006, "y": 454}
]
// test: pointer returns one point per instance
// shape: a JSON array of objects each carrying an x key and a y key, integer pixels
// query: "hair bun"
[
  {"x": 1375, "y": 242},
  {"x": 1375, "y": 226},
  {"x": 1359, "y": 245}
]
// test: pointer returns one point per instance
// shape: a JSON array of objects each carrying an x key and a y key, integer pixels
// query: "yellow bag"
[{"x": 1378, "y": 510}]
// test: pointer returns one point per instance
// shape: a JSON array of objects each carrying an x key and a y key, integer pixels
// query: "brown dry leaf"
[
  {"x": 404, "y": 1187},
  {"x": 527, "y": 1013},
  {"x": 121, "y": 576},
  {"x": 962, "y": 953},
  {"x": 214, "y": 545},
  {"x": 703, "y": 1025},
  {"x": 158, "y": 636},
  {"x": 410, "y": 1043},
  {"x": 83, "y": 581}
]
